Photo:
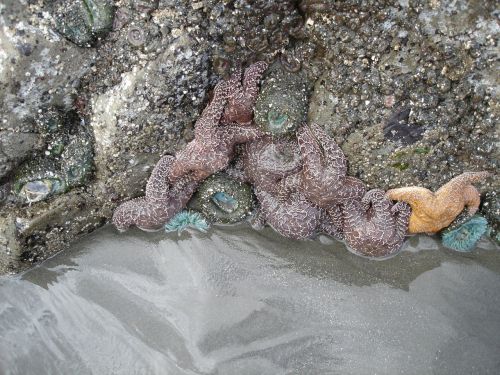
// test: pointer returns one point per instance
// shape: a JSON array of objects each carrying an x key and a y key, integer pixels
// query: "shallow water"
[{"x": 236, "y": 301}]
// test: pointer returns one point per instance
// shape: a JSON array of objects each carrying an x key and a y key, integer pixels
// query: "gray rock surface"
[{"x": 37, "y": 69}]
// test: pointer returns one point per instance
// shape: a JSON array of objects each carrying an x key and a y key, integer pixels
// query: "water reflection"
[{"x": 236, "y": 301}]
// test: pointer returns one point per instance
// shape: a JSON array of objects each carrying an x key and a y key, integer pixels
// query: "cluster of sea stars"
[
  {"x": 300, "y": 182},
  {"x": 303, "y": 190},
  {"x": 222, "y": 125}
]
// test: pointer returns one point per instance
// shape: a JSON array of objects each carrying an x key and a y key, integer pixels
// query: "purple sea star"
[
  {"x": 294, "y": 217},
  {"x": 323, "y": 178},
  {"x": 273, "y": 167},
  {"x": 374, "y": 227},
  {"x": 239, "y": 108},
  {"x": 212, "y": 148},
  {"x": 267, "y": 161},
  {"x": 161, "y": 202}
]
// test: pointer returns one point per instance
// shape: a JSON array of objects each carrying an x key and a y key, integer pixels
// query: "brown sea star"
[
  {"x": 374, "y": 227},
  {"x": 294, "y": 217},
  {"x": 161, "y": 202},
  {"x": 273, "y": 165},
  {"x": 267, "y": 161},
  {"x": 212, "y": 148},
  {"x": 432, "y": 212},
  {"x": 239, "y": 108},
  {"x": 323, "y": 178}
]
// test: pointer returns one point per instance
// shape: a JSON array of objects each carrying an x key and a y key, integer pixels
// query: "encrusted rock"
[{"x": 282, "y": 104}]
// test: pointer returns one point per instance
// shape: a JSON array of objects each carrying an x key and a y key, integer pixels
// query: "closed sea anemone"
[
  {"x": 464, "y": 236},
  {"x": 282, "y": 104},
  {"x": 223, "y": 200}
]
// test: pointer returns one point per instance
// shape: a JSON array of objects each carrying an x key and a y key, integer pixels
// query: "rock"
[
  {"x": 407, "y": 108},
  {"x": 282, "y": 104},
  {"x": 32, "y": 234},
  {"x": 490, "y": 209},
  {"x": 139, "y": 91},
  {"x": 37, "y": 70},
  {"x": 10, "y": 248},
  {"x": 14, "y": 148},
  {"x": 83, "y": 21},
  {"x": 67, "y": 161}
]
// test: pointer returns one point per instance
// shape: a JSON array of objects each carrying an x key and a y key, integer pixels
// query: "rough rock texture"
[
  {"x": 38, "y": 69},
  {"x": 409, "y": 90}
]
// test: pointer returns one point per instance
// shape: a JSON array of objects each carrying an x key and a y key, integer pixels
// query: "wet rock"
[
  {"x": 83, "y": 21},
  {"x": 33, "y": 233},
  {"x": 67, "y": 161},
  {"x": 145, "y": 6},
  {"x": 48, "y": 75},
  {"x": 375, "y": 65},
  {"x": 9, "y": 246},
  {"x": 398, "y": 129},
  {"x": 14, "y": 148},
  {"x": 140, "y": 100},
  {"x": 282, "y": 104},
  {"x": 490, "y": 209},
  {"x": 258, "y": 29}
]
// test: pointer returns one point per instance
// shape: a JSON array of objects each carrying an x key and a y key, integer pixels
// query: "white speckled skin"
[
  {"x": 374, "y": 227},
  {"x": 174, "y": 180},
  {"x": 213, "y": 146},
  {"x": 323, "y": 178},
  {"x": 239, "y": 108},
  {"x": 162, "y": 200}
]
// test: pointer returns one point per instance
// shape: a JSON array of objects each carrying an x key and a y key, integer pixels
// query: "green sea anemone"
[
  {"x": 187, "y": 219},
  {"x": 464, "y": 236},
  {"x": 223, "y": 200},
  {"x": 282, "y": 104}
]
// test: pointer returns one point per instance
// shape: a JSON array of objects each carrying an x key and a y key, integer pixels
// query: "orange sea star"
[{"x": 432, "y": 212}]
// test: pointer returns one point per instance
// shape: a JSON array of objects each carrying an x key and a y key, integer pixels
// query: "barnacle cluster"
[
  {"x": 258, "y": 28},
  {"x": 83, "y": 21}
]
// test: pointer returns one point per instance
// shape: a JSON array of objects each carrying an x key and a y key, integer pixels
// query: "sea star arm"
[
  {"x": 352, "y": 188},
  {"x": 236, "y": 134},
  {"x": 414, "y": 195},
  {"x": 212, "y": 113},
  {"x": 251, "y": 79},
  {"x": 461, "y": 181},
  {"x": 157, "y": 187},
  {"x": 332, "y": 222},
  {"x": 472, "y": 199},
  {"x": 333, "y": 154},
  {"x": 241, "y": 102},
  {"x": 310, "y": 149},
  {"x": 460, "y": 186},
  {"x": 401, "y": 212},
  {"x": 139, "y": 212},
  {"x": 186, "y": 161},
  {"x": 380, "y": 207},
  {"x": 287, "y": 185}
]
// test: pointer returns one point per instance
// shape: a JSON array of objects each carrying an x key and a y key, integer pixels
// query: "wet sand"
[{"x": 237, "y": 301}]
